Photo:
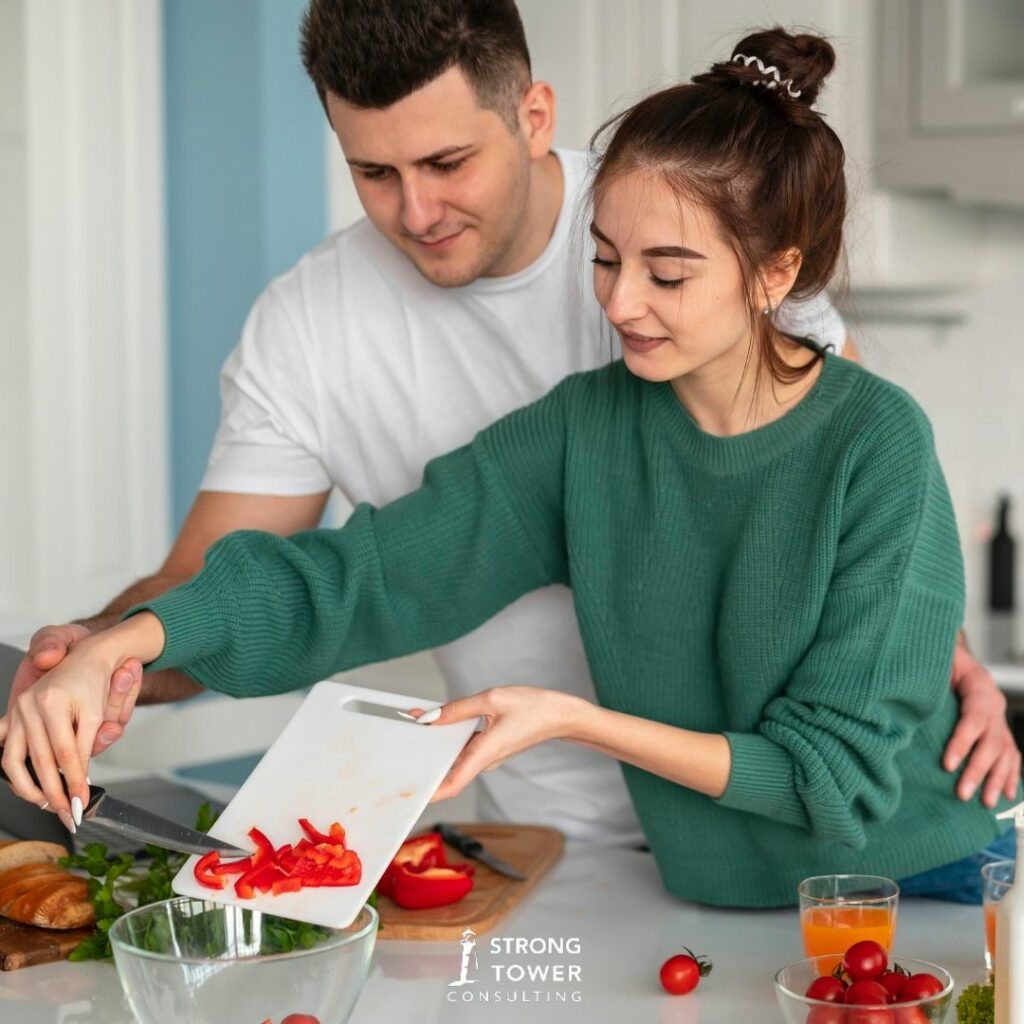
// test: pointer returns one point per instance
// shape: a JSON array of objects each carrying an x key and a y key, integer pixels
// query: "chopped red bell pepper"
[
  {"x": 264, "y": 848},
  {"x": 205, "y": 870},
  {"x": 323, "y": 861},
  {"x": 336, "y": 833}
]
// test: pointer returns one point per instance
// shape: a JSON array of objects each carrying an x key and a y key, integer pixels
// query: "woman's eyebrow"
[{"x": 675, "y": 251}]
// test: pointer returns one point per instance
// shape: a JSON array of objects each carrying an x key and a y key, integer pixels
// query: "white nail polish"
[
  {"x": 429, "y": 716},
  {"x": 67, "y": 822},
  {"x": 404, "y": 714},
  {"x": 76, "y": 810}
]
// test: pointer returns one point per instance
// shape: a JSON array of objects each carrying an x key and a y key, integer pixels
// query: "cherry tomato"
[
  {"x": 892, "y": 982},
  {"x": 827, "y": 989},
  {"x": 826, "y": 1015},
  {"x": 920, "y": 986},
  {"x": 869, "y": 1015},
  {"x": 865, "y": 959},
  {"x": 866, "y": 993},
  {"x": 300, "y": 1018},
  {"x": 680, "y": 973},
  {"x": 910, "y": 1015}
]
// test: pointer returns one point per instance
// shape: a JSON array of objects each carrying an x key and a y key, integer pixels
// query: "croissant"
[{"x": 44, "y": 894}]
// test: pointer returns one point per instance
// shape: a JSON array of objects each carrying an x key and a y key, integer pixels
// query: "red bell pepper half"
[
  {"x": 432, "y": 887},
  {"x": 419, "y": 875}
]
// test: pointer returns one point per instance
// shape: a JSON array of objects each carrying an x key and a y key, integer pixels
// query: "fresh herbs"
[
  {"x": 118, "y": 882},
  {"x": 976, "y": 1005},
  {"x": 104, "y": 872}
]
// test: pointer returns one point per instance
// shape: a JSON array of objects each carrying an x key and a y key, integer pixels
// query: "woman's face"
[{"x": 667, "y": 281}]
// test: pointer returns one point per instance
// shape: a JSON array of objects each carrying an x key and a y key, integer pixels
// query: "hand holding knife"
[
  {"x": 470, "y": 847},
  {"x": 142, "y": 825}
]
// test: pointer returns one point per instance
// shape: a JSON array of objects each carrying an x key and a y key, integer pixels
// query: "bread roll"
[
  {"x": 14, "y": 852},
  {"x": 45, "y": 895}
]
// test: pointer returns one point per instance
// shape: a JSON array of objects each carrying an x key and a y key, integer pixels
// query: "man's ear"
[
  {"x": 780, "y": 275},
  {"x": 537, "y": 119}
]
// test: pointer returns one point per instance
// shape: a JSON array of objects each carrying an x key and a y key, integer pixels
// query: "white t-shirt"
[{"x": 354, "y": 371}]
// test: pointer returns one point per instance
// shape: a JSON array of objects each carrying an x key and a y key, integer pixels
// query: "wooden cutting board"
[
  {"x": 22, "y": 945},
  {"x": 530, "y": 848}
]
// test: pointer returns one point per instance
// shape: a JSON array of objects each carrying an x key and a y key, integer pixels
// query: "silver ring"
[{"x": 44, "y": 805}]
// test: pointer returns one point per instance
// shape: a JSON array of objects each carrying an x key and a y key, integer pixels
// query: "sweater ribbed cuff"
[
  {"x": 192, "y": 617},
  {"x": 761, "y": 780}
]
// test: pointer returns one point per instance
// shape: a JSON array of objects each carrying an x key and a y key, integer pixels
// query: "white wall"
[
  {"x": 83, "y": 451},
  {"x": 14, "y": 511}
]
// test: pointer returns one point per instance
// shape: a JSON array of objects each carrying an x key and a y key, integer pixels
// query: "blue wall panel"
[{"x": 246, "y": 193}]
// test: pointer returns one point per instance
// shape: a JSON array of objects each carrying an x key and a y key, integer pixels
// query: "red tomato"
[
  {"x": 681, "y": 973},
  {"x": 826, "y": 1015},
  {"x": 866, "y": 993},
  {"x": 865, "y": 959},
  {"x": 892, "y": 982},
  {"x": 869, "y": 1015},
  {"x": 827, "y": 989},
  {"x": 910, "y": 1015},
  {"x": 920, "y": 986},
  {"x": 300, "y": 1018}
]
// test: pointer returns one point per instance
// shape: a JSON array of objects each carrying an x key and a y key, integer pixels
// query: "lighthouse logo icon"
[{"x": 468, "y": 943}]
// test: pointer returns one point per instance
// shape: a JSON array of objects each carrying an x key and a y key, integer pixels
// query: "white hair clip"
[{"x": 775, "y": 82}]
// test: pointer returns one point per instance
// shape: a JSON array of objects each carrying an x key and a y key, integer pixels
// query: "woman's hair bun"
[{"x": 803, "y": 63}]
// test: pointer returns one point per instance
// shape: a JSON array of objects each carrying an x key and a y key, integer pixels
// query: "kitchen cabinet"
[{"x": 950, "y": 99}]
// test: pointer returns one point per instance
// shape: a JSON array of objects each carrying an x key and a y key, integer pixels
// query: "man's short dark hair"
[{"x": 372, "y": 53}]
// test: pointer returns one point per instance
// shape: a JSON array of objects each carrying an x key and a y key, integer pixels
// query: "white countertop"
[{"x": 613, "y": 903}]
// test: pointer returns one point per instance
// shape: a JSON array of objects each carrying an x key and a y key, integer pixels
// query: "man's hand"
[
  {"x": 982, "y": 732},
  {"x": 48, "y": 648}
]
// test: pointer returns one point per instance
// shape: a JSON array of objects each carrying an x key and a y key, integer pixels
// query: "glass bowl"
[
  {"x": 195, "y": 962},
  {"x": 792, "y": 980}
]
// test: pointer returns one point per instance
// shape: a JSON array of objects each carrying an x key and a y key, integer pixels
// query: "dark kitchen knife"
[
  {"x": 137, "y": 823},
  {"x": 470, "y": 847}
]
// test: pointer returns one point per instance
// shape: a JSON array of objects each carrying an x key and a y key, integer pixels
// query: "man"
[{"x": 460, "y": 297}]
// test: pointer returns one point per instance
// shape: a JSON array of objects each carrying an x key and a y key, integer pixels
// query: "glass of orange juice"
[
  {"x": 996, "y": 878},
  {"x": 838, "y": 910}
]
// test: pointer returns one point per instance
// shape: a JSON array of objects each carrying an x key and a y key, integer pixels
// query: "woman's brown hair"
[{"x": 745, "y": 143}]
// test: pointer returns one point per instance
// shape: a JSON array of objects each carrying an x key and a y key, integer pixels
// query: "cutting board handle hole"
[{"x": 366, "y": 707}]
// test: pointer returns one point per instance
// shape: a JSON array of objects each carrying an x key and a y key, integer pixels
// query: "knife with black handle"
[
  {"x": 470, "y": 847},
  {"x": 142, "y": 825}
]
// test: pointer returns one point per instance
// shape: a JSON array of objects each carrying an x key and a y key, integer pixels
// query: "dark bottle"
[{"x": 1001, "y": 594}]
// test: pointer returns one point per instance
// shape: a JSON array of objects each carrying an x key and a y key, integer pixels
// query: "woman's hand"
[
  {"x": 54, "y": 722},
  {"x": 515, "y": 719}
]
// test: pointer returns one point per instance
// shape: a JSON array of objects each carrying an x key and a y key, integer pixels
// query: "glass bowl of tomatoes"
[
  {"x": 195, "y": 962},
  {"x": 824, "y": 989}
]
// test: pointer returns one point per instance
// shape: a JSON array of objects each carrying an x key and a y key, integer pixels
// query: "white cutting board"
[{"x": 375, "y": 773}]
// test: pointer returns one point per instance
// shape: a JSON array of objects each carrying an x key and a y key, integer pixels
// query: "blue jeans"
[{"x": 960, "y": 882}]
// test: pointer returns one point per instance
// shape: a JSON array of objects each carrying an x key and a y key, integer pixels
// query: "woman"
[{"x": 761, "y": 547}]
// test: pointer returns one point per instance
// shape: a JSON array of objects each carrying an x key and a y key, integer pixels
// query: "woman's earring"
[{"x": 767, "y": 311}]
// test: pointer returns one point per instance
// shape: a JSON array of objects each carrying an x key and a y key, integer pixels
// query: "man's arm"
[{"x": 213, "y": 514}]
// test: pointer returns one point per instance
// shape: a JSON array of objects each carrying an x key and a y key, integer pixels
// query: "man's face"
[{"x": 442, "y": 178}]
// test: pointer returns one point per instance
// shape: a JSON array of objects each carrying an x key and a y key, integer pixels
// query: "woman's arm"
[
  {"x": 519, "y": 717},
  {"x": 55, "y": 721},
  {"x": 823, "y": 756},
  {"x": 268, "y": 613}
]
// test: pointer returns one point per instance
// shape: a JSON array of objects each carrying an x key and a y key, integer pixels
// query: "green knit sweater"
[{"x": 797, "y": 588}]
